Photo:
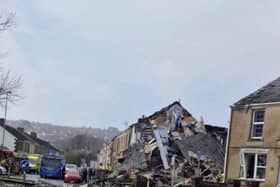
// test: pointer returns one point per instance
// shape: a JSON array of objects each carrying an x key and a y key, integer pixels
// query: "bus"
[{"x": 52, "y": 166}]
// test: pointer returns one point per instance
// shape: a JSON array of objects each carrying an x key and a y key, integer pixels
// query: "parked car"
[
  {"x": 72, "y": 176},
  {"x": 3, "y": 170},
  {"x": 70, "y": 167}
]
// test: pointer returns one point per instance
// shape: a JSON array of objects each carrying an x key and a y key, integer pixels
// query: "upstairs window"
[{"x": 257, "y": 124}]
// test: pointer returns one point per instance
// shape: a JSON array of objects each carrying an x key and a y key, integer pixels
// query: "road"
[
  {"x": 36, "y": 178},
  {"x": 55, "y": 182}
]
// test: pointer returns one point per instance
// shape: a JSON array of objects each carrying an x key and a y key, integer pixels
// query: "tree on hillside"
[
  {"x": 80, "y": 147},
  {"x": 9, "y": 84}
]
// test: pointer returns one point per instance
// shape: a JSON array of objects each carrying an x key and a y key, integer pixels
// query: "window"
[
  {"x": 252, "y": 165},
  {"x": 257, "y": 124}
]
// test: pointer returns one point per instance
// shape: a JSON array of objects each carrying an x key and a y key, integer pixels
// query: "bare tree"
[
  {"x": 7, "y": 20},
  {"x": 9, "y": 84}
]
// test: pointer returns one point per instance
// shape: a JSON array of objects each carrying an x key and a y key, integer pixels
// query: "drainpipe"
[{"x": 227, "y": 145}]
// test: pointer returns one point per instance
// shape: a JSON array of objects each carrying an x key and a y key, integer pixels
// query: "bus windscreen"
[{"x": 51, "y": 164}]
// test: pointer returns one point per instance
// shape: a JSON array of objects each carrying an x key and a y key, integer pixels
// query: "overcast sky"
[{"x": 102, "y": 63}]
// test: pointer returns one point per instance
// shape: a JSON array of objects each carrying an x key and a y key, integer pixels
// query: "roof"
[
  {"x": 211, "y": 128},
  {"x": 165, "y": 109},
  {"x": 207, "y": 144},
  {"x": 42, "y": 142},
  {"x": 270, "y": 93},
  {"x": 146, "y": 120},
  {"x": 16, "y": 133}
]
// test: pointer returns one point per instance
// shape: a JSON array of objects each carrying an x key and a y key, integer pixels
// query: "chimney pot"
[{"x": 20, "y": 129}]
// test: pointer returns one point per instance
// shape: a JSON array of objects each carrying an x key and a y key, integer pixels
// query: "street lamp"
[{"x": 5, "y": 116}]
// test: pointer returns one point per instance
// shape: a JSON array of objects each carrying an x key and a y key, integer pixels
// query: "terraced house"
[{"x": 254, "y": 137}]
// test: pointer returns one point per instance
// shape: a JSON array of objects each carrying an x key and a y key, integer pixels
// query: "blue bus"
[{"x": 52, "y": 166}]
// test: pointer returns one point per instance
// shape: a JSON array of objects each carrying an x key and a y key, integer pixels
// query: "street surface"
[{"x": 55, "y": 182}]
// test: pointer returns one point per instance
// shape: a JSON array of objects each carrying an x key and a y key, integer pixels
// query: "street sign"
[{"x": 24, "y": 165}]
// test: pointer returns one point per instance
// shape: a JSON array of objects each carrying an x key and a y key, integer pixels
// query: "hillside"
[{"x": 55, "y": 133}]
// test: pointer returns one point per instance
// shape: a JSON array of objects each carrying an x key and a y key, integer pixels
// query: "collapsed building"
[{"x": 169, "y": 146}]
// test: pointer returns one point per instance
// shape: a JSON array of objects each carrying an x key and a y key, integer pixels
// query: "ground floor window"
[{"x": 252, "y": 165}]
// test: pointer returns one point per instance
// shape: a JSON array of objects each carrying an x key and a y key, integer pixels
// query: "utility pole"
[{"x": 5, "y": 116}]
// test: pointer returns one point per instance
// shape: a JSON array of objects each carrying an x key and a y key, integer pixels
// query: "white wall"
[{"x": 10, "y": 140}]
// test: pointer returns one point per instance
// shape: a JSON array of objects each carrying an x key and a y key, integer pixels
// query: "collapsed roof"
[{"x": 206, "y": 144}]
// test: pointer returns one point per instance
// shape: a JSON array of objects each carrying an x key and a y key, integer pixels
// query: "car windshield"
[
  {"x": 49, "y": 163},
  {"x": 70, "y": 166},
  {"x": 32, "y": 161}
]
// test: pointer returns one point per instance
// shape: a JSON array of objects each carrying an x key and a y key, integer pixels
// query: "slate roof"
[
  {"x": 270, "y": 93},
  {"x": 16, "y": 133},
  {"x": 207, "y": 144},
  {"x": 212, "y": 128},
  {"x": 42, "y": 142}
]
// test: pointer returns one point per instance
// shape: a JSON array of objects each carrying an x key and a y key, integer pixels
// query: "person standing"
[
  {"x": 90, "y": 175},
  {"x": 85, "y": 174}
]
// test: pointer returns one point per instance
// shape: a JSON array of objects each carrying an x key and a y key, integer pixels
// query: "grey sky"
[{"x": 102, "y": 63}]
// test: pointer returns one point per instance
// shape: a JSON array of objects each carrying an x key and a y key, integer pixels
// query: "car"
[
  {"x": 72, "y": 176},
  {"x": 71, "y": 167},
  {"x": 3, "y": 170}
]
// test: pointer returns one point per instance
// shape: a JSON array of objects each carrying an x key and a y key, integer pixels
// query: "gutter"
[{"x": 255, "y": 104}]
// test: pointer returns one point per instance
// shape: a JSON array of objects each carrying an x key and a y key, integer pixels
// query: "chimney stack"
[
  {"x": 2, "y": 121},
  {"x": 33, "y": 134},
  {"x": 20, "y": 129}
]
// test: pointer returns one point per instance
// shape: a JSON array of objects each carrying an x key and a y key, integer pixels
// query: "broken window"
[
  {"x": 252, "y": 166},
  {"x": 257, "y": 124}
]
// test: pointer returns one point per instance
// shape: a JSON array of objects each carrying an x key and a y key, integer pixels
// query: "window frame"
[
  {"x": 253, "y": 124},
  {"x": 256, "y": 167},
  {"x": 243, "y": 167}
]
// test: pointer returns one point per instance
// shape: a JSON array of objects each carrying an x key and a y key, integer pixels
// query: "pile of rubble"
[
  {"x": 168, "y": 148},
  {"x": 199, "y": 154}
]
